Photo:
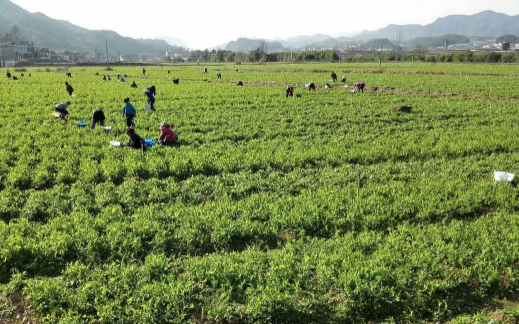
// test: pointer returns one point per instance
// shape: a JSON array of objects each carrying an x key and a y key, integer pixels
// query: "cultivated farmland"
[{"x": 328, "y": 208}]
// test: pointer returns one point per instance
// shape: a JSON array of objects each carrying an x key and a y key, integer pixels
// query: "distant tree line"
[
  {"x": 456, "y": 57},
  {"x": 260, "y": 56}
]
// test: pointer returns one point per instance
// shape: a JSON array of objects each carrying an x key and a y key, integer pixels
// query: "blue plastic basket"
[
  {"x": 149, "y": 142},
  {"x": 81, "y": 124}
]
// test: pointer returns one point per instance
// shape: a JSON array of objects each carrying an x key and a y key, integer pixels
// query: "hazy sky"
[{"x": 208, "y": 23}]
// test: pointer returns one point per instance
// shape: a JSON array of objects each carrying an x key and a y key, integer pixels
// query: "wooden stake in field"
[
  {"x": 359, "y": 177},
  {"x": 490, "y": 97}
]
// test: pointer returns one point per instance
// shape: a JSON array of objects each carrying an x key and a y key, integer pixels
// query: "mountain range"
[
  {"x": 60, "y": 34},
  {"x": 486, "y": 24}
]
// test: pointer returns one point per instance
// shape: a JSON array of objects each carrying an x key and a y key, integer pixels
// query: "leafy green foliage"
[{"x": 329, "y": 208}]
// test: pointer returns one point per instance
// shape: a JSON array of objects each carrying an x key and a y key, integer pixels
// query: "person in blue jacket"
[
  {"x": 150, "y": 93},
  {"x": 129, "y": 112}
]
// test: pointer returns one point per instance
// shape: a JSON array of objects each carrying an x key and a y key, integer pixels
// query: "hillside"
[
  {"x": 488, "y": 24},
  {"x": 246, "y": 44},
  {"x": 60, "y": 34}
]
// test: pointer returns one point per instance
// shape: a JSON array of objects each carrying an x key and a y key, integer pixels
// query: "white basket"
[
  {"x": 115, "y": 143},
  {"x": 500, "y": 176},
  {"x": 108, "y": 129}
]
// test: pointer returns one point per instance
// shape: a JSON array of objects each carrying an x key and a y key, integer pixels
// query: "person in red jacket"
[{"x": 167, "y": 135}]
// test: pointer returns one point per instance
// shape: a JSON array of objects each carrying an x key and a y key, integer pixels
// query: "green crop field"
[{"x": 328, "y": 208}]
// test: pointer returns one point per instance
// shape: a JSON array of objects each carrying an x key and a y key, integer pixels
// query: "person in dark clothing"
[
  {"x": 62, "y": 109},
  {"x": 360, "y": 86},
  {"x": 69, "y": 75},
  {"x": 343, "y": 80},
  {"x": 98, "y": 116},
  {"x": 8, "y": 74},
  {"x": 22, "y": 75},
  {"x": 30, "y": 75},
  {"x": 104, "y": 77},
  {"x": 334, "y": 77},
  {"x": 150, "y": 93},
  {"x": 15, "y": 78},
  {"x": 169, "y": 72},
  {"x": 290, "y": 92},
  {"x": 134, "y": 85},
  {"x": 205, "y": 70},
  {"x": 135, "y": 142},
  {"x": 311, "y": 86},
  {"x": 144, "y": 71},
  {"x": 176, "y": 81},
  {"x": 240, "y": 84},
  {"x": 69, "y": 88},
  {"x": 97, "y": 73},
  {"x": 129, "y": 112},
  {"x": 219, "y": 75},
  {"x": 109, "y": 78}
]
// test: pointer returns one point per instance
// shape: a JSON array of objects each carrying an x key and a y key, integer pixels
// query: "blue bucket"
[
  {"x": 81, "y": 124},
  {"x": 149, "y": 142}
]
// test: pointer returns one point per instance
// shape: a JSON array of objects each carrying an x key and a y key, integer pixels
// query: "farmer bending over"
[
  {"x": 311, "y": 86},
  {"x": 62, "y": 109},
  {"x": 360, "y": 86},
  {"x": 334, "y": 77},
  {"x": 144, "y": 71},
  {"x": 167, "y": 135},
  {"x": 69, "y": 88},
  {"x": 130, "y": 112},
  {"x": 150, "y": 93},
  {"x": 290, "y": 92},
  {"x": 8, "y": 74},
  {"x": 98, "y": 116},
  {"x": 219, "y": 75},
  {"x": 134, "y": 85}
]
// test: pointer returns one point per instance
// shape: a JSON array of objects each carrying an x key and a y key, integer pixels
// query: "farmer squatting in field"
[
  {"x": 135, "y": 142},
  {"x": 167, "y": 135}
]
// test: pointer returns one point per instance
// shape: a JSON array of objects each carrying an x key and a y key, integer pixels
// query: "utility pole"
[
  {"x": 380, "y": 57},
  {"x": 265, "y": 53},
  {"x": 107, "y": 64}
]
